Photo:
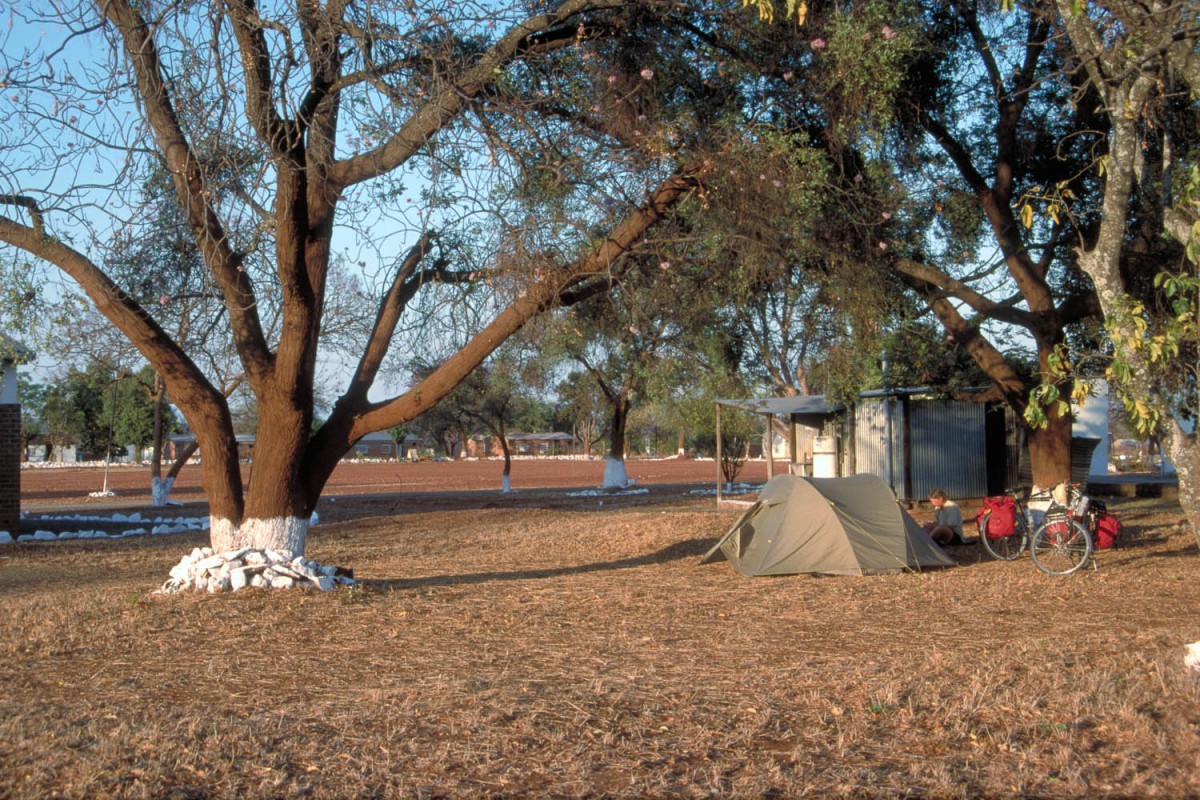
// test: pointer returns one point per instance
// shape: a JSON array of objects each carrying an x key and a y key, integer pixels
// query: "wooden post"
[
  {"x": 770, "y": 446},
  {"x": 718, "y": 454}
]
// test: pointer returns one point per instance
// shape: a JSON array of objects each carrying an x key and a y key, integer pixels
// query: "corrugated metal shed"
[
  {"x": 949, "y": 449},
  {"x": 935, "y": 444},
  {"x": 873, "y": 418}
]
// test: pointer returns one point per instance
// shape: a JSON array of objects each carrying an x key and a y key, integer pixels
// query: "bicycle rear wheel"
[
  {"x": 1061, "y": 546},
  {"x": 1006, "y": 548}
]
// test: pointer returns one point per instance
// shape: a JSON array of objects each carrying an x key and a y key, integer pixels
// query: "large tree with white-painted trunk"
[
  {"x": 284, "y": 128},
  {"x": 1139, "y": 62}
]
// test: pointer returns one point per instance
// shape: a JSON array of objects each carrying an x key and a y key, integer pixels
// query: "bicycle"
[
  {"x": 1063, "y": 543},
  {"x": 1060, "y": 544},
  {"x": 1007, "y": 546}
]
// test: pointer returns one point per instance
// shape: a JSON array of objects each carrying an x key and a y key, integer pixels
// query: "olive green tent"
[{"x": 835, "y": 526}]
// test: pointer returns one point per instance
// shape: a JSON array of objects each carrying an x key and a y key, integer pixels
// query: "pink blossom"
[
  {"x": 787, "y": 76},
  {"x": 647, "y": 73},
  {"x": 817, "y": 44},
  {"x": 888, "y": 33},
  {"x": 612, "y": 78},
  {"x": 883, "y": 246}
]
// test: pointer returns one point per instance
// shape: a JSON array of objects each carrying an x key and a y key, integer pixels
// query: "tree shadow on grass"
[
  {"x": 692, "y": 548},
  {"x": 1187, "y": 550}
]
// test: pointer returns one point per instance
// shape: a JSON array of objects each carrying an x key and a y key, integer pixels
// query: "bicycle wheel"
[
  {"x": 1061, "y": 546},
  {"x": 1006, "y": 548}
]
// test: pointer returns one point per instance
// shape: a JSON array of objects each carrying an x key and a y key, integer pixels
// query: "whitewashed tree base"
[
  {"x": 281, "y": 535},
  {"x": 160, "y": 491},
  {"x": 204, "y": 570},
  {"x": 505, "y": 485},
  {"x": 615, "y": 476}
]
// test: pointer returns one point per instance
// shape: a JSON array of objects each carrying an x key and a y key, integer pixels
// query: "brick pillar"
[{"x": 10, "y": 467}]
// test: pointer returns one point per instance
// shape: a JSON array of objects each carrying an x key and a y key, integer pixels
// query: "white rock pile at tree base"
[{"x": 206, "y": 571}]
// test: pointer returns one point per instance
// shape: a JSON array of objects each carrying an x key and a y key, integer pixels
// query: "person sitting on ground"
[{"x": 947, "y": 525}]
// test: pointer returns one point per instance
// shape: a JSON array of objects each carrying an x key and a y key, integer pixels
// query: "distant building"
[
  {"x": 379, "y": 444},
  {"x": 522, "y": 444},
  {"x": 542, "y": 444},
  {"x": 11, "y": 354},
  {"x": 175, "y": 444}
]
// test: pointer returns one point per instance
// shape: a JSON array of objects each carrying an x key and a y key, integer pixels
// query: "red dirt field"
[{"x": 71, "y": 486}]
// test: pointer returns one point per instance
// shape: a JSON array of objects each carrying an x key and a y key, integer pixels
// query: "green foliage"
[
  {"x": 1155, "y": 345},
  {"x": 920, "y": 354},
  {"x": 129, "y": 404},
  {"x": 80, "y": 410},
  {"x": 32, "y": 397},
  {"x": 863, "y": 62}
]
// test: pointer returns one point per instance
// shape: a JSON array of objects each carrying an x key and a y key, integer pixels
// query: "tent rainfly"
[{"x": 833, "y": 526}]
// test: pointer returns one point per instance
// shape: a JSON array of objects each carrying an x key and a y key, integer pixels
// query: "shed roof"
[
  {"x": 554, "y": 436},
  {"x": 806, "y": 405}
]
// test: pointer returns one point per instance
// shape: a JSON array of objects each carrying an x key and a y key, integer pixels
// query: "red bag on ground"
[
  {"x": 998, "y": 517},
  {"x": 1108, "y": 530}
]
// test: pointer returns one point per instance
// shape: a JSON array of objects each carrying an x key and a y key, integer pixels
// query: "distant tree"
[
  {"x": 32, "y": 397},
  {"x": 491, "y": 398},
  {"x": 617, "y": 337},
  {"x": 582, "y": 408},
  {"x": 399, "y": 434},
  {"x": 131, "y": 406},
  {"x": 78, "y": 410},
  {"x": 62, "y": 420},
  {"x": 444, "y": 425},
  {"x": 499, "y": 394}
]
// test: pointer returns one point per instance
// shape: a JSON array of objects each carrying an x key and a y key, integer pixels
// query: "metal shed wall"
[
  {"x": 871, "y": 441},
  {"x": 949, "y": 448}
]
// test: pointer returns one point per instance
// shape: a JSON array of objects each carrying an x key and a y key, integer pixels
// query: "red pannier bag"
[
  {"x": 998, "y": 517},
  {"x": 1108, "y": 530}
]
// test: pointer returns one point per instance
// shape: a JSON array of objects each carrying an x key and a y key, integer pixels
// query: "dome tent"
[{"x": 833, "y": 526}]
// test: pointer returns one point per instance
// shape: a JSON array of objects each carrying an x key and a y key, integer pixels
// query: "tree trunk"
[
  {"x": 615, "y": 476},
  {"x": 1050, "y": 451},
  {"x": 277, "y": 505},
  {"x": 160, "y": 487},
  {"x": 1184, "y": 453},
  {"x": 506, "y": 480}
]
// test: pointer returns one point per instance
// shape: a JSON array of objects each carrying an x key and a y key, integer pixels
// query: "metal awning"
[{"x": 816, "y": 404}]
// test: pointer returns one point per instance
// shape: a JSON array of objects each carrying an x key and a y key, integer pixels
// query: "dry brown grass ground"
[{"x": 549, "y": 646}]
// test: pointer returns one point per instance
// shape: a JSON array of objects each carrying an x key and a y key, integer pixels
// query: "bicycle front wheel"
[
  {"x": 1061, "y": 546},
  {"x": 1005, "y": 548}
]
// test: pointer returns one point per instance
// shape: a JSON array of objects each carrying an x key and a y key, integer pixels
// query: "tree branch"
[
  {"x": 190, "y": 185},
  {"x": 448, "y": 103},
  {"x": 390, "y": 311},
  {"x": 931, "y": 280}
]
